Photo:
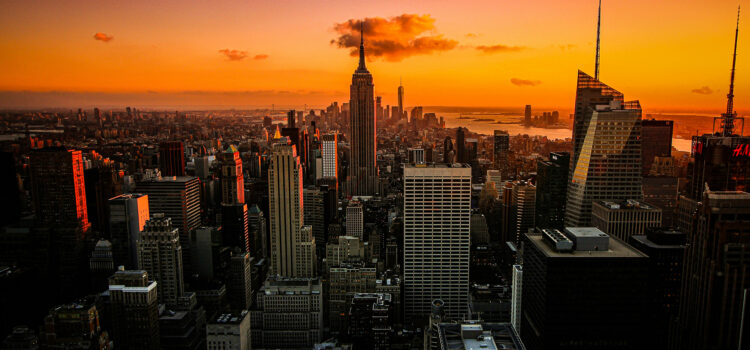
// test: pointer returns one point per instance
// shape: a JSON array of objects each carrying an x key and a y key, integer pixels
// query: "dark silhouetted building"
[
  {"x": 551, "y": 187},
  {"x": 623, "y": 219},
  {"x": 135, "y": 310},
  {"x": 656, "y": 141},
  {"x": 370, "y": 324},
  {"x": 583, "y": 290},
  {"x": 461, "y": 146},
  {"x": 172, "y": 158}
]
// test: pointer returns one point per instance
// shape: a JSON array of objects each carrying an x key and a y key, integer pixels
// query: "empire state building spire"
[{"x": 362, "y": 67}]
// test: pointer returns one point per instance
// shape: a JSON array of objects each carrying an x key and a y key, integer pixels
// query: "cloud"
[
  {"x": 704, "y": 90},
  {"x": 234, "y": 55},
  {"x": 260, "y": 57},
  {"x": 103, "y": 37},
  {"x": 393, "y": 38},
  {"x": 524, "y": 82},
  {"x": 499, "y": 48},
  {"x": 567, "y": 47},
  {"x": 472, "y": 35}
]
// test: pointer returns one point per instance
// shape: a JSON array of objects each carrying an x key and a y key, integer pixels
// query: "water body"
[{"x": 510, "y": 122}]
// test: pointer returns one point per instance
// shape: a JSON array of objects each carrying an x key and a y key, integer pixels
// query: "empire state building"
[{"x": 364, "y": 172}]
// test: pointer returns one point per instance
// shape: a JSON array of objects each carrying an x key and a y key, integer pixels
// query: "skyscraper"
[
  {"x": 448, "y": 152},
  {"x": 584, "y": 270},
  {"x": 239, "y": 282},
  {"x": 330, "y": 155},
  {"x": 527, "y": 115},
  {"x": 656, "y": 141},
  {"x": 552, "y": 186},
  {"x": 160, "y": 253},
  {"x": 715, "y": 282},
  {"x": 292, "y": 246},
  {"x": 363, "y": 171},
  {"x": 589, "y": 93},
  {"x": 135, "y": 310},
  {"x": 400, "y": 100},
  {"x": 355, "y": 220},
  {"x": 172, "y": 158},
  {"x": 178, "y": 197},
  {"x": 460, "y": 146},
  {"x": 500, "y": 151},
  {"x": 58, "y": 189},
  {"x": 608, "y": 163},
  {"x": 436, "y": 246},
  {"x": 127, "y": 215},
  {"x": 234, "y": 216},
  {"x": 524, "y": 202},
  {"x": 625, "y": 218}
]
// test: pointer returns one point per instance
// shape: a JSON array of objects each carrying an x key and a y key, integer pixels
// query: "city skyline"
[{"x": 239, "y": 55}]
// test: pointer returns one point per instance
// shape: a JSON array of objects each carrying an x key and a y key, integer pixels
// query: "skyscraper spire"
[
  {"x": 598, "y": 28},
  {"x": 362, "y": 46},
  {"x": 727, "y": 123}
]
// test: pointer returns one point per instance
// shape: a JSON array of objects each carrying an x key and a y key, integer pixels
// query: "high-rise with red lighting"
[
  {"x": 172, "y": 158},
  {"x": 364, "y": 171},
  {"x": 58, "y": 189}
]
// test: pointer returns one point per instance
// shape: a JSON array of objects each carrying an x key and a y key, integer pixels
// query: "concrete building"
[
  {"x": 344, "y": 281},
  {"x": 474, "y": 335},
  {"x": 292, "y": 245},
  {"x": 135, "y": 310},
  {"x": 436, "y": 246},
  {"x": 288, "y": 314},
  {"x": 229, "y": 332},
  {"x": 363, "y": 170},
  {"x": 355, "y": 220},
  {"x": 582, "y": 269},
  {"x": 127, "y": 215},
  {"x": 160, "y": 254},
  {"x": 552, "y": 187},
  {"x": 501, "y": 146},
  {"x": 624, "y": 219},
  {"x": 370, "y": 325},
  {"x": 523, "y": 200},
  {"x": 239, "y": 281},
  {"x": 515, "y": 306}
]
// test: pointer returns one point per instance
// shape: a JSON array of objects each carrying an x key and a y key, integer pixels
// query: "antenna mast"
[
  {"x": 727, "y": 119},
  {"x": 598, "y": 29}
]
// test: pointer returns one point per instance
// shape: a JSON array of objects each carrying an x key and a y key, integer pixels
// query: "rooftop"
[{"x": 616, "y": 249}]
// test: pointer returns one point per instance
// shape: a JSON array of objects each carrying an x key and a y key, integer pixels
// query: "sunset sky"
[{"x": 672, "y": 55}]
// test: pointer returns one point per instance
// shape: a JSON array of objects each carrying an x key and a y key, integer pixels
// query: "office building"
[
  {"x": 258, "y": 232},
  {"x": 608, "y": 165},
  {"x": 343, "y": 249},
  {"x": 501, "y": 146},
  {"x": 329, "y": 152},
  {"x": 436, "y": 246},
  {"x": 624, "y": 219},
  {"x": 206, "y": 242},
  {"x": 363, "y": 170},
  {"x": 400, "y": 101},
  {"x": 582, "y": 269},
  {"x": 74, "y": 326},
  {"x": 472, "y": 335},
  {"x": 715, "y": 281},
  {"x": 135, "y": 310},
  {"x": 127, "y": 215},
  {"x": 552, "y": 187},
  {"x": 355, "y": 220},
  {"x": 239, "y": 281},
  {"x": 461, "y": 146},
  {"x": 178, "y": 198},
  {"x": 370, "y": 324},
  {"x": 656, "y": 141},
  {"x": 234, "y": 218},
  {"x": 172, "y": 158},
  {"x": 58, "y": 188},
  {"x": 527, "y": 115},
  {"x": 517, "y": 297},
  {"x": 662, "y": 192},
  {"x": 720, "y": 162},
  {"x": 344, "y": 280},
  {"x": 229, "y": 332},
  {"x": 292, "y": 245},
  {"x": 523, "y": 199},
  {"x": 160, "y": 254},
  {"x": 314, "y": 215},
  {"x": 449, "y": 154},
  {"x": 288, "y": 314},
  {"x": 101, "y": 265},
  {"x": 665, "y": 249},
  {"x": 10, "y": 208}
]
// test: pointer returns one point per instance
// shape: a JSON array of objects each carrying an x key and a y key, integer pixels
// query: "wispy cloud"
[
  {"x": 233, "y": 55},
  {"x": 499, "y": 48},
  {"x": 393, "y": 38},
  {"x": 704, "y": 90},
  {"x": 524, "y": 82},
  {"x": 472, "y": 35},
  {"x": 103, "y": 37},
  {"x": 567, "y": 47},
  {"x": 260, "y": 57}
]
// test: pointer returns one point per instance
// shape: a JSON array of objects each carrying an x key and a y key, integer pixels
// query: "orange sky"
[{"x": 286, "y": 52}]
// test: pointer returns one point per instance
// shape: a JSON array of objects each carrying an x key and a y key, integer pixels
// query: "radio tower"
[{"x": 728, "y": 118}]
